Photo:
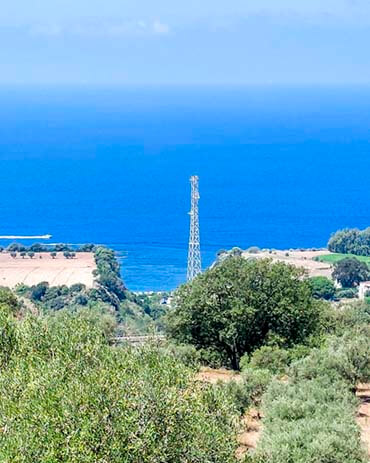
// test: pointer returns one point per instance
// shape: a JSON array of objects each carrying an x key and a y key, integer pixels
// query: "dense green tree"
[
  {"x": 13, "y": 254},
  {"x": 53, "y": 255},
  {"x": 37, "y": 247},
  {"x": 31, "y": 255},
  {"x": 87, "y": 248},
  {"x": 23, "y": 254},
  {"x": 322, "y": 288},
  {"x": 351, "y": 241},
  {"x": 350, "y": 272},
  {"x": 16, "y": 247},
  {"x": 240, "y": 305},
  {"x": 39, "y": 291}
]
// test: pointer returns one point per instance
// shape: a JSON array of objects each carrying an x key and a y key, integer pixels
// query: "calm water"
[{"x": 278, "y": 168}]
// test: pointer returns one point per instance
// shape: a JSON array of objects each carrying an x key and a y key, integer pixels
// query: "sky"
[{"x": 207, "y": 42}]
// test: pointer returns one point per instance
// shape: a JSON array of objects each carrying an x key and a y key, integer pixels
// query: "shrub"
[
  {"x": 322, "y": 288},
  {"x": 345, "y": 358},
  {"x": 274, "y": 359},
  {"x": 308, "y": 422},
  {"x": 186, "y": 354},
  {"x": 253, "y": 250},
  {"x": 248, "y": 391},
  {"x": 347, "y": 293},
  {"x": 67, "y": 396}
]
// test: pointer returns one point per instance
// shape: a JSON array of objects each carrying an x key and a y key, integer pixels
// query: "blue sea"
[{"x": 279, "y": 168}]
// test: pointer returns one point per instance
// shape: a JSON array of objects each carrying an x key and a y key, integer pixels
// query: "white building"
[{"x": 363, "y": 289}]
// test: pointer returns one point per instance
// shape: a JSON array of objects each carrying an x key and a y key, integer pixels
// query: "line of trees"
[
  {"x": 351, "y": 241},
  {"x": 37, "y": 247}
]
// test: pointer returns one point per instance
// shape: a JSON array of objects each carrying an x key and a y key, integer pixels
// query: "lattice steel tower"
[{"x": 194, "y": 258}]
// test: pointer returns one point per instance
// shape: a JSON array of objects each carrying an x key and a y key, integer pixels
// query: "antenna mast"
[{"x": 194, "y": 259}]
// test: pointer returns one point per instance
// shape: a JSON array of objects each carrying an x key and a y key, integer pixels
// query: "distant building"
[{"x": 363, "y": 289}]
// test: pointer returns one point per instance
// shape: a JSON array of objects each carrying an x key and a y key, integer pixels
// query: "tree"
[
  {"x": 87, "y": 248},
  {"x": 13, "y": 254},
  {"x": 23, "y": 254},
  {"x": 53, "y": 255},
  {"x": 31, "y": 255},
  {"x": 16, "y": 247},
  {"x": 322, "y": 288},
  {"x": 38, "y": 291},
  {"x": 67, "y": 254},
  {"x": 239, "y": 305},
  {"x": 350, "y": 272},
  {"x": 37, "y": 247},
  {"x": 351, "y": 241}
]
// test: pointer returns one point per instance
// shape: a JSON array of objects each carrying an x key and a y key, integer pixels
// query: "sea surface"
[{"x": 279, "y": 168}]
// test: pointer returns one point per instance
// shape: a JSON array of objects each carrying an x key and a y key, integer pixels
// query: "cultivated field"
[
  {"x": 298, "y": 258},
  {"x": 58, "y": 271}
]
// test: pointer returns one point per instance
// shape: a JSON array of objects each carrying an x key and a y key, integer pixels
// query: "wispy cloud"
[{"x": 109, "y": 29}]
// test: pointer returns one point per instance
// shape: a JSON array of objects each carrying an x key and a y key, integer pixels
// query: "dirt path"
[
  {"x": 363, "y": 416},
  {"x": 248, "y": 439},
  {"x": 209, "y": 375},
  {"x": 251, "y": 423}
]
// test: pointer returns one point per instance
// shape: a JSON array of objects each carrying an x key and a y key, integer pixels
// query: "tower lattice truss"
[{"x": 194, "y": 257}]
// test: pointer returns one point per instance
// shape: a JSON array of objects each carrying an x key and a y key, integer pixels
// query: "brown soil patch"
[
  {"x": 58, "y": 271},
  {"x": 209, "y": 375},
  {"x": 248, "y": 439},
  {"x": 299, "y": 259},
  {"x": 363, "y": 416}
]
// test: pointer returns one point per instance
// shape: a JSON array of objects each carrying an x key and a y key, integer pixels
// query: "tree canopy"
[
  {"x": 240, "y": 305},
  {"x": 351, "y": 272},
  {"x": 322, "y": 288},
  {"x": 351, "y": 241}
]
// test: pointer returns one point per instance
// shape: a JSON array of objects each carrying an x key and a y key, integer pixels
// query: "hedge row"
[{"x": 311, "y": 418}]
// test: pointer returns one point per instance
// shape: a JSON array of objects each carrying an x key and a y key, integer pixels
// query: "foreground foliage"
[
  {"x": 67, "y": 396},
  {"x": 310, "y": 417}
]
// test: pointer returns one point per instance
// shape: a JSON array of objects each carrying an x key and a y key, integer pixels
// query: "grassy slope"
[{"x": 333, "y": 258}]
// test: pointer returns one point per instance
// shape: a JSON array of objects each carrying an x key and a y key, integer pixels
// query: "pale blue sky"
[{"x": 187, "y": 42}]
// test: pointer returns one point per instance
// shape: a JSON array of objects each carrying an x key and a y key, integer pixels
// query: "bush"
[
  {"x": 345, "y": 358},
  {"x": 66, "y": 396},
  {"x": 254, "y": 250},
  {"x": 322, "y": 288},
  {"x": 186, "y": 354},
  {"x": 346, "y": 293},
  {"x": 309, "y": 422},
  {"x": 276, "y": 359},
  {"x": 248, "y": 391}
]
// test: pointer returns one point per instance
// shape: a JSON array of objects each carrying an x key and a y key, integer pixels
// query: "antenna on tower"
[{"x": 194, "y": 258}]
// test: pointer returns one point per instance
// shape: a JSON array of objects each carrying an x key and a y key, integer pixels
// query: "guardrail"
[{"x": 138, "y": 339}]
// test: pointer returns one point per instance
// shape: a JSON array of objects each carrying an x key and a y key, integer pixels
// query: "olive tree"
[{"x": 239, "y": 305}]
